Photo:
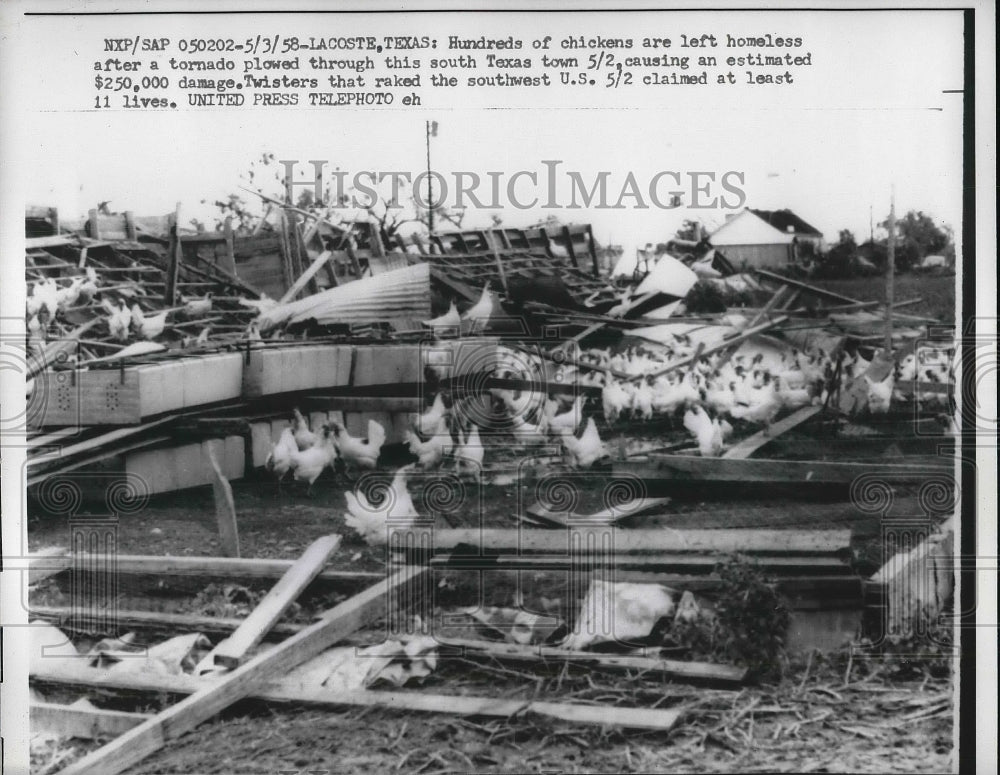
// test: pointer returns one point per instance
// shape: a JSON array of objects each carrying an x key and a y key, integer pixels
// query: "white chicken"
[
  {"x": 304, "y": 438},
  {"x": 361, "y": 453},
  {"x": 449, "y": 321},
  {"x": 198, "y": 307},
  {"x": 642, "y": 401},
  {"x": 710, "y": 434},
  {"x": 469, "y": 453},
  {"x": 279, "y": 459},
  {"x": 880, "y": 394},
  {"x": 148, "y": 327},
  {"x": 372, "y": 522},
  {"x": 264, "y": 304},
  {"x": 45, "y": 295},
  {"x": 119, "y": 319},
  {"x": 763, "y": 407},
  {"x": 67, "y": 296},
  {"x": 565, "y": 422},
  {"x": 429, "y": 453},
  {"x": 586, "y": 450},
  {"x": 428, "y": 422},
  {"x": 478, "y": 315},
  {"x": 308, "y": 464},
  {"x": 88, "y": 288}
]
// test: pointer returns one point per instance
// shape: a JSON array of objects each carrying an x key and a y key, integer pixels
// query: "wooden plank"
[
  {"x": 696, "y": 563},
  {"x": 288, "y": 690},
  {"x": 306, "y": 276},
  {"x": 83, "y": 722},
  {"x": 691, "y": 468},
  {"x": 40, "y": 565},
  {"x": 233, "y": 650},
  {"x": 806, "y": 287},
  {"x": 54, "y": 350},
  {"x": 223, "y": 567},
  {"x": 139, "y": 742},
  {"x": 647, "y": 540},
  {"x": 225, "y": 508},
  {"x": 672, "y": 667},
  {"x": 52, "y": 241},
  {"x": 748, "y": 446}
]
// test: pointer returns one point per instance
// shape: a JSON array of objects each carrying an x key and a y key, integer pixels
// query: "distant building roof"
[{"x": 782, "y": 219}]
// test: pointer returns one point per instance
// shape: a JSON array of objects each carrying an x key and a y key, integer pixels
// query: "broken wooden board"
[
  {"x": 690, "y": 468},
  {"x": 578, "y": 538},
  {"x": 748, "y": 446},
  {"x": 606, "y": 516},
  {"x": 225, "y": 507},
  {"x": 672, "y": 667},
  {"x": 289, "y": 690},
  {"x": 139, "y": 742},
  {"x": 233, "y": 650},
  {"x": 88, "y": 723}
]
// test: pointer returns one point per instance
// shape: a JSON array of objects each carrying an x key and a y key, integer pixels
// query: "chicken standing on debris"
[
  {"x": 360, "y": 453},
  {"x": 478, "y": 315},
  {"x": 264, "y": 304},
  {"x": 430, "y": 453},
  {"x": 564, "y": 422},
  {"x": 308, "y": 464},
  {"x": 197, "y": 307},
  {"x": 428, "y": 422},
  {"x": 449, "y": 321},
  {"x": 119, "y": 319},
  {"x": 148, "y": 327},
  {"x": 396, "y": 509},
  {"x": 279, "y": 459},
  {"x": 880, "y": 394}
]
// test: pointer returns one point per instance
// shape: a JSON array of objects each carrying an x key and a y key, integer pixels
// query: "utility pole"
[
  {"x": 891, "y": 273},
  {"x": 431, "y": 131}
]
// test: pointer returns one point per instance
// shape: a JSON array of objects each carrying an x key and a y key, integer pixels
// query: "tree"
[{"x": 917, "y": 236}]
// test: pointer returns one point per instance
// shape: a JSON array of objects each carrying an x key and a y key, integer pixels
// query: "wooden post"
[
  {"x": 130, "y": 232},
  {"x": 225, "y": 508},
  {"x": 174, "y": 252},
  {"x": 92, "y": 224},
  {"x": 890, "y": 277},
  {"x": 230, "y": 256}
]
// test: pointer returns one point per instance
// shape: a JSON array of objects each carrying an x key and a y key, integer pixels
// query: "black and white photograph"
[{"x": 534, "y": 388}]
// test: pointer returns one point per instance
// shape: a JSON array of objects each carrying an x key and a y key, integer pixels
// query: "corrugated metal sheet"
[{"x": 397, "y": 295}]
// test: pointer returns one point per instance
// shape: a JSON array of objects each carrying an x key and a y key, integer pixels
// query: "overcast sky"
[{"x": 871, "y": 111}]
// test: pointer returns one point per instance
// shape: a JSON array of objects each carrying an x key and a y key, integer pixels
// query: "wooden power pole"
[{"x": 891, "y": 273}]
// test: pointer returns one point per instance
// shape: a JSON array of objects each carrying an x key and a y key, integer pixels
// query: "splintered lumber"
[
  {"x": 80, "y": 620},
  {"x": 336, "y": 624},
  {"x": 306, "y": 276},
  {"x": 672, "y": 667},
  {"x": 224, "y": 567},
  {"x": 578, "y": 538},
  {"x": 674, "y": 563},
  {"x": 88, "y": 723},
  {"x": 289, "y": 690},
  {"x": 225, "y": 507},
  {"x": 234, "y": 649},
  {"x": 748, "y": 446},
  {"x": 822, "y": 292},
  {"x": 688, "y": 468}
]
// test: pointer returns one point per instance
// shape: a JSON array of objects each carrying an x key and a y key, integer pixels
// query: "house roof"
[
  {"x": 782, "y": 219},
  {"x": 747, "y": 228}
]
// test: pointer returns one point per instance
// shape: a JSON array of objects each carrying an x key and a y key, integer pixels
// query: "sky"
[{"x": 870, "y": 114}]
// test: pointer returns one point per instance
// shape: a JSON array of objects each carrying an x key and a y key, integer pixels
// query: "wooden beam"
[
  {"x": 83, "y": 722},
  {"x": 175, "y": 257},
  {"x": 288, "y": 690},
  {"x": 648, "y": 540},
  {"x": 225, "y": 508},
  {"x": 806, "y": 287},
  {"x": 306, "y": 276},
  {"x": 671, "y": 667},
  {"x": 223, "y": 567},
  {"x": 233, "y": 650},
  {"x": 139, "y": 742},
  {"x": 748, "y": 446}
]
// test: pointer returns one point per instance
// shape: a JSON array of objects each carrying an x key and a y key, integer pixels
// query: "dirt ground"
[{"x": 887, "y": 716}]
